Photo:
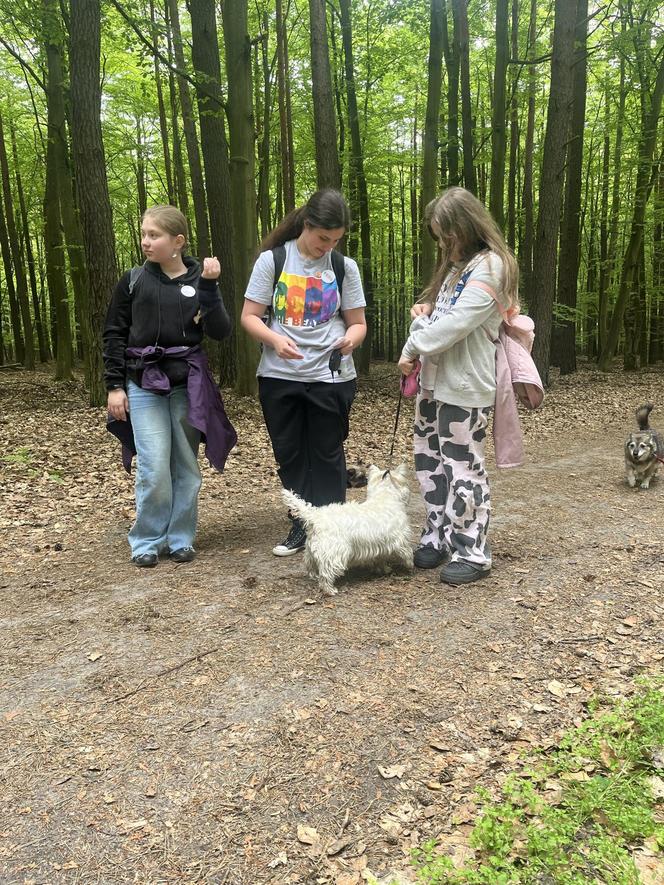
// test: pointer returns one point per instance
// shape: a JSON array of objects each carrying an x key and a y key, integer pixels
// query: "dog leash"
[{"x": 396, "y": 425}]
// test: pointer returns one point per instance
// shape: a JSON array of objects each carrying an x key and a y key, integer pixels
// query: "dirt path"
[{"x": 222, "y": 723}]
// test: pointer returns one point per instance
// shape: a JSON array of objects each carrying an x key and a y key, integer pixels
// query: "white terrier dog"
[{"x": 358, "y": 532}]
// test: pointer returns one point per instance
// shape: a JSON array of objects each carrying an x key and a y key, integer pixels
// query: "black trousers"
[{"x": 308, "y": 424}]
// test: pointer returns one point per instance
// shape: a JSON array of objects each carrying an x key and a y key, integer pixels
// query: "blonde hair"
[
  {"x": 169, "y": 219},
  {"x": 463, "y": 228}
]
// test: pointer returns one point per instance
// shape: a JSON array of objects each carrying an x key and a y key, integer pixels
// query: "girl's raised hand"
[
  {"x": 211, "y": 268},
  {"x": 420, "y": 310}
]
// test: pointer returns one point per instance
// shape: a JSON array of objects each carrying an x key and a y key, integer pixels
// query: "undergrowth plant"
[{"x": 576, "y": 814}]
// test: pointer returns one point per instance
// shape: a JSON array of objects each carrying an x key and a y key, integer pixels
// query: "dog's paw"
[{"x": 328, "y": 590}]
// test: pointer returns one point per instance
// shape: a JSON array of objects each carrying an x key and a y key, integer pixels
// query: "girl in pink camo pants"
[{"x": 454, "y": 326}]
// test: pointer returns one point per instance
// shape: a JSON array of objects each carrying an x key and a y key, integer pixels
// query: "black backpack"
[{"x": 338, "y": 265}]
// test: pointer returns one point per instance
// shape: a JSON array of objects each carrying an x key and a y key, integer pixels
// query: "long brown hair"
[
  {"x": 463, "y": 227},
  {"x": 326, "y": 208}
]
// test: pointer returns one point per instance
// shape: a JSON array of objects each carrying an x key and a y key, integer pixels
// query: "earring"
[{"x": 174, "y": 255}]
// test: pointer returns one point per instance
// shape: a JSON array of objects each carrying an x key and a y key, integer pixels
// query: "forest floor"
[{"x": 221, "y": 722}]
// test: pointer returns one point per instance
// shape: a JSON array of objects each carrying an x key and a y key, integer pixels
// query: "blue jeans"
[{"x": 167, "y": 475}]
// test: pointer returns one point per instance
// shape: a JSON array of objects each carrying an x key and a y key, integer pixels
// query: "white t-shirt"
[{"x": 305, "y": 306}]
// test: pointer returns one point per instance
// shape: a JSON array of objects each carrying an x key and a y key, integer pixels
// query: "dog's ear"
[
  {"x": 401, "y": 471},
  {"x": 372, "y": 471}
]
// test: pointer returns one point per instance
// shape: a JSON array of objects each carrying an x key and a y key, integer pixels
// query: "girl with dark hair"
[{"x": 308, "y": 322}]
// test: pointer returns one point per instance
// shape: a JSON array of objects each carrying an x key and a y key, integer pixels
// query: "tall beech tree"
[
  {"x": 551, "y": 181},
  {"x": 431, "y": 120},
  {"x": 564, "y": 341},
  {"x": 91, "y": 182},
  {"x": 358, "y": 176},
  {"x": 328, "y": 170},
  {"x": 241, "y": 130},
  {"x": 214, "y": 146}
]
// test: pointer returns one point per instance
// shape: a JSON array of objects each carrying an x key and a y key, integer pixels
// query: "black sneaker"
[
  {"x": 426, "y": 556},
  {"x": 297, "y": 538}
]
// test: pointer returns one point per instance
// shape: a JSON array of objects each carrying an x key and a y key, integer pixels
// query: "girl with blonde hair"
[
  {"x": 161, "y": 396},
  {"x": 455, "y": 324}
]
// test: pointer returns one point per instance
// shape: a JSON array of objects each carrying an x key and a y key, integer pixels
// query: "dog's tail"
[
  {"x": 642, "y": 415},
  {"x": 296, "y": 505}
]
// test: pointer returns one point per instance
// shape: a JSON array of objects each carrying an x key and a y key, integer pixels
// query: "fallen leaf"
[
  {"x": 307, "y": 835},
  {"x": 556, "y": 688},
  {"x": 280, "y": 860},
  {"x": 391, "y": 771}
]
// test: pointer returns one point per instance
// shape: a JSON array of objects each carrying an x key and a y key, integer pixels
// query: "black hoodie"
[{"x": 161, "y": 311}]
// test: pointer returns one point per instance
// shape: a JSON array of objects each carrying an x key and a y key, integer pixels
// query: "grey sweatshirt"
[{"x": 458, "y": 356}]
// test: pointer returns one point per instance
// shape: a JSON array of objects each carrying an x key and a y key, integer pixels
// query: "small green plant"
[
  {"x": 603, "y": 805},
  {"x": 22, "y": 455}
]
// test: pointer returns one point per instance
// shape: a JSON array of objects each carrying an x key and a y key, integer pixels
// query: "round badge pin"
[
  {"x": 328, "y": 276},
  {"x": 188, "y": 291}
]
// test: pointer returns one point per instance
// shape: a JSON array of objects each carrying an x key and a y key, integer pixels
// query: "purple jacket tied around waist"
[{"x": 205, "y": 411}]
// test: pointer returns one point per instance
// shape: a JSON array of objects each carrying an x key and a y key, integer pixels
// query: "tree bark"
[
  {"x": 191, "y": 138},
  {"x": 569, "y": 258},
  {"x": 40, "y": 326},
  {"x": 285, "y": 127},
  {"x": 328, "y": 170},
  {"x": 243, "y": 197},
  {"x": 526, "y": 249},
  {"x": 19, "y": 268},
  {"x": 460, "y": 9},
  {"x": 14, "y": 310},
  {"x": 91, "y": 183},
  {"x": 451, "y": 52},
  {"x": 214, "y": 146},
  {"x": 357, "y": 166},
  {"x": 498, "y": 116},
  {"x": 430, "y": 140},
  {"x": 551, "y": 182},
  {"x": 161, "y": 107}
]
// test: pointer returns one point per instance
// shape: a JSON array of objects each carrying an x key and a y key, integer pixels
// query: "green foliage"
[{"x": 603, "y": 805}]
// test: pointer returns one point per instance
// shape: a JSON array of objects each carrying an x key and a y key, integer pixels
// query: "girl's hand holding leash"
[
  {"x": 406, "y": 366},
  {"x": 211, "y": 268},
  {"x": 420, "y": 310},
  {"x": 345, "y": 345}
]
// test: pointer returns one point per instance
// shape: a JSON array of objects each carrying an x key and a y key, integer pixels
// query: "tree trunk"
[
  {"x": 91, "y": 183},
  {"x": 328, "y": 170},
  {"x": 357, "y": 166},
  {"x": 570, "y": 246},
  {"x": 551, "y": 182},
  {"x": 526, "y": 250},
  {"x": 40, "y": 327},
  {"x": 205, "y": 56},
  {"x": 161, "y": 107},
  {"x": 241, "y": 130},
  {"x": 656, "y": 350},
  {"x": 19, "y": 268},
  {"x": 644, "y": 182},
  {"x": 498, "y": 116},
  {"x": 283, "y": 88},
  {"x": 603, "y": 294},
  {"x": 179, "y": 176},
  {"x": 460, "y": 9},
  {"x": 430, "y": 140},
  {"x": 451, "y": 52},
  {"x": 264, "y": 150},
  {"x": 191, "y": 138},
  {"x": 514, "y": 135},
  {"x": 14, "y": 310}
]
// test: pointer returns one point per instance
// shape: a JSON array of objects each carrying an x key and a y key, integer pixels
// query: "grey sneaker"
[
  {"x": 462, "y": 573},
  {"x": 296, "y": 540},
  {"x": 426, "y": 556}
]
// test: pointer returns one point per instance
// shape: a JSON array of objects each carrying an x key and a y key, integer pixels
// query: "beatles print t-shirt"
[{"x": 305, "y": 305}]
